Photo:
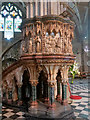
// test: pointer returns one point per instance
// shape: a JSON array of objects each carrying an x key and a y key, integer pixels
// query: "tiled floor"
[
  {"x": 81, "y": 107},
  {"x": 12, "y": 113}
]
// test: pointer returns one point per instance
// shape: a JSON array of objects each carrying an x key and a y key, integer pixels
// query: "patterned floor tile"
[
  {"x": 79, "y": 108},
  {"x": 9, "y": 114},
  {"x": 84, "y": 112},
  {"x": 20, "y": 113}
]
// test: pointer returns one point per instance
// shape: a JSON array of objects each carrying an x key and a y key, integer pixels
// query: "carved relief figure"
[
  {"x": 30, "y": 45},
  {"x": 38, "y": 44}
]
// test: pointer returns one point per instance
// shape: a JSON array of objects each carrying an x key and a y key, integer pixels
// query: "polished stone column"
[
  {"x": 46, "y": 93},
  {"x": 19, "y": 94},
  {"x": 51, "y": 92},
  {"x": 64, "y": 93},
  {"x": 58, "y": 89},
  {"x": 9, "y": 95},
  {"x": 34, "y": 92}
]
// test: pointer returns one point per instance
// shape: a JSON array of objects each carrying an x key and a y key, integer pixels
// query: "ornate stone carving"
[
  {"x": 51, "y": 84},
  {"x": 59, "y": 42},
  {"x": 38, "y": 44},
  {"x": 30, "y": 45},
  {"x": 34, "y": 82}
]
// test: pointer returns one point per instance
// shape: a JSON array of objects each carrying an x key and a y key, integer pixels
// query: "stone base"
[
  {"x": 53, "y": 106},
  {"x": 46, "y": 101},
  {"x": 58, "y": 98},
  {"x": 64, "y": 102},
  {"x": 43, "y": 112},
  {"x": 34, "y": 103}
]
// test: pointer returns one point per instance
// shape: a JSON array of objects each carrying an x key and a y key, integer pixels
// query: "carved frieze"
[{"x": 50, "y": 36}]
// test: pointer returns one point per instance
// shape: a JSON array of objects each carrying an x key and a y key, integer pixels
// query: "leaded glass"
[
  {"x": 4, "y": 13},
  {"x": 15, "y": 8},
  {"x": 11, "y": 8},
  {"x": 10, "y": 20},
  {"x": 9, "y": 24},
  {"x": 9, "y": 4},
  {"x": 13, "y": 13},
  {"x": 17, "y": 23},
  {"x": 1, "y": 23},
  {"x": 2, "y": 7},
  {"x": 7, "y": 8},
  {"x": 20, "y": 13},
  {"x": 8, "y": 34}
]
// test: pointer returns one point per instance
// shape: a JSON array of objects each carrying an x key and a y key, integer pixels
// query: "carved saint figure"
[
  {"x": 38, "y": 44},
  {"x": 30, "y": 45}
]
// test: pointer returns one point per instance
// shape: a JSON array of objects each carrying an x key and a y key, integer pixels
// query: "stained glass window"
[
  {"x": 17, "y": 24},
  {"x": 10, "y": 20},
  {"x": 1, "y": 23}
]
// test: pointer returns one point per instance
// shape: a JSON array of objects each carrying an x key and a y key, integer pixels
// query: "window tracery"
[{"x": 10, "y": 20}]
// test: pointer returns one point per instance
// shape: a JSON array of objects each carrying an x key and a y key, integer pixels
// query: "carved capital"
[
  {"x": 51, "y": 84},
  {"x": 65, "y": 81},
  {"x": 19, "y": 85},
  {"x": 34, "y": 82}
]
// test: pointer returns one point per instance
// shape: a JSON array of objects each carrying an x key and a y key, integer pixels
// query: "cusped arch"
[
  {"x": 29, "y": 34},
  {"x": 40, "y": 68},
  {"x": 25, "y": 68}
]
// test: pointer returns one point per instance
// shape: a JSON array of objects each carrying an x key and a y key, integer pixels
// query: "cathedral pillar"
[
  {"x": 19, "y": 93},
  {"x": 36, "y": 8},
  {"x": 31, "y": 9},
  {"x": 34, "y": 92},
  {"x": 45, "y": 8},
  {"x": 27, "y": 10},
  {"x": 41, "y": 8}
]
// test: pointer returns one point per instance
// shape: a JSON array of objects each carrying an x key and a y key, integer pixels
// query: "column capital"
[
  {"x": 51, "y": 83},
  {"x": 10, "y": 88},
  {"x": 65, "y": 81},
  {"x": 34, "y": 82},
  {"x": 59, "y": 79},
  {"x": 19, "y": 84}
]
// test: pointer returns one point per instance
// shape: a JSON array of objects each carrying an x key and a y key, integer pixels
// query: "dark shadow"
[
  {"x": 42, "y": 87},
  {"x": 26, "y": 87}
]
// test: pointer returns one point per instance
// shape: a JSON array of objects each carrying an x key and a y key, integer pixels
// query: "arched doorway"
[
  {"x": 26, "y": 87},
  {"x": 42, "y": 87}
]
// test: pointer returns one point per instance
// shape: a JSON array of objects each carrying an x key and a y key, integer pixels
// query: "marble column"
[
  {"x": 51, "y": 93},
  {"x": 19, "y": 94},
  {"x": 46, "y": 93},
  {"x": 34, "y": 92},
  {"x": 9, "y": 95},
  {"x": 58, "y": 89},
  {"x": 64, "y": 93}
]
